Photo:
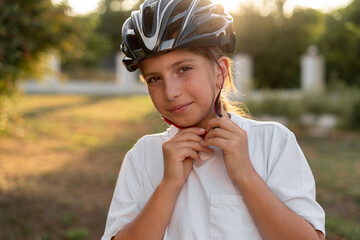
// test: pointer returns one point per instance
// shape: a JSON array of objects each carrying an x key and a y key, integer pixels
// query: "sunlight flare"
[
  {"x": 86, "y": 6},
  {"x": 229, "y": 5}
]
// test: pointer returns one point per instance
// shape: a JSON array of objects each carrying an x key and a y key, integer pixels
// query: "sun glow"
[
  {"x": 323, "y": 5},
  {"x": 85, "y": 6},
  {"x": 229, "y": 5}
]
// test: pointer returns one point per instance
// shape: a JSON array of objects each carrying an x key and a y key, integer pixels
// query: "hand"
[
  {"x": 232, "y": 139},
  {"x": 179, "y": 153}
]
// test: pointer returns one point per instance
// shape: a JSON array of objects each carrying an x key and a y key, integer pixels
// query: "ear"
[{"x": 222, "y": 73}]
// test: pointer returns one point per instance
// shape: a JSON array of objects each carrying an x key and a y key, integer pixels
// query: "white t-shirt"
[{"x": 210, "y": 205}]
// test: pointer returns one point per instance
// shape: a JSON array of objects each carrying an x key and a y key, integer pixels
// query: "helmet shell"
[{"x": 164, "y": 25}]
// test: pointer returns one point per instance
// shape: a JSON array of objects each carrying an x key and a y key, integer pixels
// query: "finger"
[
  {"x": 218, "y": 122},
  {"x": 219, "y": 133},
  {"x": 192, "y": 154},
  {"x": 183, "y": 153},
  {"x": 196, "y": 146},
  {"x": 188, "y": 164},
  {"x": 186, "y": 136},
  {"x": 194, "y": 130},
  {"x": 218, "y": 142}
]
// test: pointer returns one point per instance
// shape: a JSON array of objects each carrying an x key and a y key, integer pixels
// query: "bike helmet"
[{"x": 164, "y": 25}]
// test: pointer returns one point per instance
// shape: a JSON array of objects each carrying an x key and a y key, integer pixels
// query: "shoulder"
[
  {"x": 267, "y": 129},
  {"x": 146, "y": 158},
  {"x": 157, "y": 137},
  {"x": 146, "y": 151},
  {"x": 152, "y": 141}
]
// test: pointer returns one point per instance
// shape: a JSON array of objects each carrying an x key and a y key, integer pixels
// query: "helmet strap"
[
  {"x": 172, "y": 123},
  {"x": 217, "y": 103}
]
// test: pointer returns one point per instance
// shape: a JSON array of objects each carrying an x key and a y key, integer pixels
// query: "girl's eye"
[
  {"x": 184, "y": 69},
  {"x": 152, "y": 80}
]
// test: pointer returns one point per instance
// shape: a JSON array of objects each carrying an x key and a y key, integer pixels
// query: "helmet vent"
[
  {"x": 172, "y": 30},
  {"x": 148, "y": 18},
  {"x": 133, "y": 42},
  {"x": 211, "y": 26},
  {"x": 181, "y": 7}
]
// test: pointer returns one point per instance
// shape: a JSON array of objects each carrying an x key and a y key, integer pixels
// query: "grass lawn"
[{"x": 59, "y": 165}]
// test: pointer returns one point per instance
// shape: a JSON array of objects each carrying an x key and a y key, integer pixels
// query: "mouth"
[{"x": 179, "y": 108}]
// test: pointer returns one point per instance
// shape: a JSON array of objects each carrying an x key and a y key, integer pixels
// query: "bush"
[
  {"x": 344, "y": 103},
  {"x": 275, "y": 104},
  {"x": 353, "y": 116}
]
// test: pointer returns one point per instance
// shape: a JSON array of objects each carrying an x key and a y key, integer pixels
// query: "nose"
[{"x": 172, "y": 88}]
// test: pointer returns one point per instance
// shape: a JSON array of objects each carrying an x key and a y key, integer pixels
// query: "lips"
[{"x": 178, "y": 109}]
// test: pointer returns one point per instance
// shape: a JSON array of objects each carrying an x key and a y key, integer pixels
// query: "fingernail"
[{"x": 202, "y": 130}]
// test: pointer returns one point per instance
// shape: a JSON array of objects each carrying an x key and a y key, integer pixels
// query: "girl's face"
[{"x": 183, "y": 86}]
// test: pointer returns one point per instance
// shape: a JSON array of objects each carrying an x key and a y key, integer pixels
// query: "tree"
[
  {"x": 340, "y": 44},
  {"x": 28, "y": 29},
  {"x": 276, "y": 42},
  {"x": 115, "y": 12},
  {"x": 97, "y": 46}
]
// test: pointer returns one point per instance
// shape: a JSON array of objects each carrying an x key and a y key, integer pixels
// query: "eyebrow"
[{"x": 174, "y": 65}]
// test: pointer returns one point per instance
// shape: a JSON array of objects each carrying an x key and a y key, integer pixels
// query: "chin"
[
  {"x": 183, "y": 121},
  {"x": 190, "y": 123}
]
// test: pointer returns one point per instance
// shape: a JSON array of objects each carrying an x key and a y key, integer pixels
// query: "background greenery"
[
  {"x": 277, "y": 41},
  {"x": 341, "y": 102},
  {"x": 28, "y": 30}
]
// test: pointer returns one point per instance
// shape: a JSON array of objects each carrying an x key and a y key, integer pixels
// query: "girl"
[{"x": 213, "y": 174}]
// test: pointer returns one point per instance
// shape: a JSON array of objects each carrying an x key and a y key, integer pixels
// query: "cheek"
[
  {"x": 203, "y": 86},
  {"x": 203, "y": 92},
  {"x": 155, "y": 98}
]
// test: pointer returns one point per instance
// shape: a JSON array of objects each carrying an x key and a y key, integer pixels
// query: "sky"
[{"x": 86, "y": 6}]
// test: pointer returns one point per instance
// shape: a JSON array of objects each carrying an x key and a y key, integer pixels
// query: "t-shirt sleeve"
[
  {"x": 291, "y": 180},
  {"x": 128, "y": 198}
]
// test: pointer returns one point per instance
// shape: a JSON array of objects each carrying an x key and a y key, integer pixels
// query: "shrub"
[
  {"x": 344, "y": 103},
  {"x": 353, "y": 116}
]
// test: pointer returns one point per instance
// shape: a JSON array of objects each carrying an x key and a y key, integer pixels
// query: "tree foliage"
[
  {"x": 115, "y": 12},
  {"x": 341, "y": 44},
  {"x": 96, "y": 45},
  {"x": 28, "y": 29},
  {"x": 276, "y": 43}
]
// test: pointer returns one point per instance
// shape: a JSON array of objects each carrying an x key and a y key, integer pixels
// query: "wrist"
[
  {"x": 246, "y": 178},
  {"x": 170, "y": 186}
]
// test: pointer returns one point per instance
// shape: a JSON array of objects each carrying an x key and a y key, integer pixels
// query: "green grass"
[
  {"x": 60, "y": 161},
  {"x": 335, "y": 162},
  {"x": 347, "y": 229}
]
